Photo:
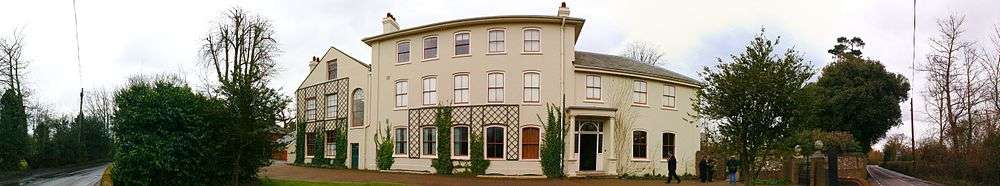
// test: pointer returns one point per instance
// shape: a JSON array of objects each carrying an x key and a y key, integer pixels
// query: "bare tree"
[
  {"x": 644, "y": 52},
  {"x": 944, "y": 72},
  {"x": 620, "y": 98},
  {"x": 991, "y": 69},
  {"x": 13, "y": 61}
]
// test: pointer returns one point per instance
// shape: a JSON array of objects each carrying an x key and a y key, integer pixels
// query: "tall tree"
[
  {"x": 644, "y": 52},
  {"x": 753, "y": 98},
  {"x": 944, "y": 70},
  {"x": 991, "y": 68},
  {"x": 857, "y": 95},
  {"x": 241, "y": 50},
  {"x": 13, "y": 118}
]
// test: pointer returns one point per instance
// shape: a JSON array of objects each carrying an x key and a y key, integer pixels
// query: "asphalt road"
[
  {"x": 880, "y": 176},
  {"x": 83, "y": 177}
]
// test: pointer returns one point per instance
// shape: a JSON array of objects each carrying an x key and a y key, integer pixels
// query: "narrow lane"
[
  {"x": 884, "y": 177},
  {"x": 83, "y": 177}
]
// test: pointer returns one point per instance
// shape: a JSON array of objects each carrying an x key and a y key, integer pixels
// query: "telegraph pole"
[{"x": 913, "y": 74}]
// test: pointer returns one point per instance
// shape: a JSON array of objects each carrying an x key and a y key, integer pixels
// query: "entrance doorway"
[
  {"x": 354, "y": 156},
  {"x": 589, "y": 136}
]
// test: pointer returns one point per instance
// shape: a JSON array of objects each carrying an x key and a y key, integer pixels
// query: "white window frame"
[
  {"x": 397, "y": 139},
  {"x": 495, "y": 87},
  {"x": 593, "y": 86},
  {"x": 468, "y": 136},
  {"x": 331, "y": 106},
  {"x": 669, "y": 96},
  {"x": 532, "y": 87},
  {"x": 455, "y": 43},
  {"x": 311, "y": 109},
  {"x": 663, "y": 145},
  {"x": 402, "y": 93},
  {"x": 496, "y": 43},
  {"x": 639, "y": 92},
  {"x": 423, "y": 141},
  {"x": 461, "y": 91},
  {"x": 330, "y": 148},
  {"x": 435, "y": 53},
  {"x": 503, "y": 142},
  {"x": 430, "y": 90},
  {"x": 527, "y": 40},
  {"x": 399, "y": 53}
]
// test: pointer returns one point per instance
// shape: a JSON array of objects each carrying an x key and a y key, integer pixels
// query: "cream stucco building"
[{"x": 499, "y": 73}]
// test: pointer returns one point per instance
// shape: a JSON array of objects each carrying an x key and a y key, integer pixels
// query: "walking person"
[
  {"x": 731, "y": 166},
  {"x": 711, "y": 169},
  {"x": 703, "y": 169},
  {"x": 672, "y": 169}
]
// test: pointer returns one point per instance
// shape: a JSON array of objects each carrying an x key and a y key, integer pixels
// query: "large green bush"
[
  {"x": 383, "y": 148},
  {"x": 478, "y": 163},
  {"x": 442, "y": 121},
  {"x": 552, "y": 144},
  {"x": 319, "y": 152},
  {"x": 300, "y": 143},
  {"x": 341, "y": 142},
  {"x": 168, "y": 135},
  {"x": 14, "y": 130}
]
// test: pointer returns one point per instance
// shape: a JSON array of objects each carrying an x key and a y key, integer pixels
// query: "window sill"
[
  {"x": 400, "y": 108},
  {"x": 531, "y": 53},
  {"x": 640, "y": 159},
  {"x": 495, "y": 159},
  {"x": 531, "y": 160},
  {"x": 462, "y": 55},
  {"x": 640, "y": 105},
  {"x": 664, "y": 160},
  {"x": 496, "y": 53},
  {"x": 669, "y": 108},
  {"x": 428, "y": 156},
  {"x": 429, "y": 59},
  {"x": 402, "y": 63},
  {"x": 593, "y": 101},
  {"x": 357, "y": 127},
  {"x": 531, "y": 104},
  {"x": 460, "y": 158},
  {"x": 462, "y": 103}
]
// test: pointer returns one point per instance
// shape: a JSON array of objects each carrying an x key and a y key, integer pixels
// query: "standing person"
[
  {"x": 731, "y": 166},
  {"x": 703, "y": 169},
  {"x": 711, "y": 169},
  {"x": 672, "y": 169}
]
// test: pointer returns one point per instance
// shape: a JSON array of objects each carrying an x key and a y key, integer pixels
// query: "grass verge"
[{"x": 277, "y": 182}]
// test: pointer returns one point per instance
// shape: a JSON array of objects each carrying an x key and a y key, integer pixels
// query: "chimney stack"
[
  {"x": 563, "y": 10},
  {"x": 389, "y": 23},
  {"x": 313, "y": 62}
]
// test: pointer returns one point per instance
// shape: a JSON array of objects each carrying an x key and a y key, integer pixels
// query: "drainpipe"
[{"x": 562, "y": 85}]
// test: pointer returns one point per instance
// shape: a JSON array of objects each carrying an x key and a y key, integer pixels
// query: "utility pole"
[{"x": 913, "y": 74}]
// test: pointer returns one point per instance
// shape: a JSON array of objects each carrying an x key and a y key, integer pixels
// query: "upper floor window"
[
  {"x": 638, "y": 144},
  {"x": 461, "y": 88},
  {"x": 496, "y": 41},
  {"x": 331, "y": 69},
  {"x": 401, "y": 91},
  {"x": 430, "y": 91},
  {"x": 495, "y": 92},
  {"x": 331, "y": 106},
  {"x": 532, "y": 40},
  {"x": 494, "y": 142},
  {"x": 428, "y": 141},
  {"x": 358, "y": 110},
  {"x": 400, "y": 141},
  {"x": 461, "y": 139},
  {"x": 639, "y": 92},
  {"x": 668, "y": 145},
  {"x": 529, "y": 143},
  {"x": 311, "y": 109},
  {"x": 669, "y": 96},
  {"x": 593, "y": 87},
  {"x": 403, "y": 52},
  {"x": 462, "y": 43},
  {"x": 531, "y": 87},
  {"x": 430, "y": 47}
]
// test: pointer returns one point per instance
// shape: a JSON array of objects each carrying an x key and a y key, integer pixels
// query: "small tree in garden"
[
  {"x": 300, "y": 143},
  {"x": 442, "y": 121},
  {"x": 479, "y": 163},
  {"x": 340, "y": 153},
  {"x": 552, "y": 144},
  {"x": 383, "y": 148},
  {"x": 319, "y": 153}
]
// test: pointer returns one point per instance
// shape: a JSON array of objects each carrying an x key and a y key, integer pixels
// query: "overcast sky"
[{"x": 119, "y": 39}]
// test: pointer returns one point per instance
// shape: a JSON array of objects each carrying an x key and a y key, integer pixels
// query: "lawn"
[{"x": 276, "y": 182}]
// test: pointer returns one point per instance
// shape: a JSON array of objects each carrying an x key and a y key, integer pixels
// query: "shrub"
[
  {"x": 319, "y": 153},
  {"x": 341, "y": 142},
  {"x": 14, "y": 127},
  {"x": 552, "y": 144},
  {"x": 442, "y": 121},
  {"x": 478, "y": 164},
  {"x": 168, "y": 135},
  {"x": 383, "y": 149},
  {"x": 300, "y": 143}
]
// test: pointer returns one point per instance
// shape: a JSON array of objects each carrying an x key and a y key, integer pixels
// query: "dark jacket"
[
  {"x": 672, "y": 164},
  {"x": 732, "y": 165}
]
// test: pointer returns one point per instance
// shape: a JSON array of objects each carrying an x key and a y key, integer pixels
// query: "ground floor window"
[
  {"x": 331, "y": 143},
  {"x": 668, "y": 144},
  {"x": 428, "y": 138},
  {"x": 529, "y": 143},
  {"x": 494, "y": 142},
  {"x": 639, "y": 144},
  {"x": 400, "y": 141},
  {"x": 461, "y": 138},
  {"x": 310, "y": 145}
]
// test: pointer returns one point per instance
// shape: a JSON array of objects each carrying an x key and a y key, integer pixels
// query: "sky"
[{"x": 122, "y": 38}]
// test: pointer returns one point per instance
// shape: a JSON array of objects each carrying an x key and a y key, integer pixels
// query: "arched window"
[
  {"x": 462, "y": 43},
  {"x": 494, "y": 142},
  {"x": 428, "y": 140},
  {"x": 401, "y": 141},
  {"x": 403, "y": 52},
  {"x": 529, "y": 143},
  {"x": 532, "y": 40},
  {"x": 639, "y": 144},
  {"x": 496, "y": 41},
  {"x": 461, "y": 141},
  {"x": 358, "y": 112},
  {"x": 532, "y": 89},
  {"x": 495, "y": 93},
  {"x": 430, "y": 47}
]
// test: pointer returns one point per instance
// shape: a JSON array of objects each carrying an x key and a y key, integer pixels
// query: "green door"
[{"x": 354, "y": 156}]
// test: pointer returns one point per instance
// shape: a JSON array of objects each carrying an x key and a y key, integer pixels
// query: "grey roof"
[{"x": 622, "y": 64}]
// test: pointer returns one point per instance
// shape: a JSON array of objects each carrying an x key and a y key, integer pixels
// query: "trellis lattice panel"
[
  {"x": 319, "y": 92},
  {"x": 476, "y": 117}
]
